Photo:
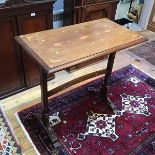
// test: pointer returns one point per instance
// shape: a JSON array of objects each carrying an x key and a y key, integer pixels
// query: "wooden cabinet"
[
  {"x": 11, "y": 77},
  {"x": 151, "y": 23},
  {"x": 28, "y": 23},
  {"x": 99, "y": 10},
  {"x": 85, "y": 10},
  {"x": 68, "y": 12},
  {"x": 17, "y": 71}
]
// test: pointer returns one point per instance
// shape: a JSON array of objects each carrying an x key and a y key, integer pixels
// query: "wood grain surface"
[{"x": 58, "y": 49}]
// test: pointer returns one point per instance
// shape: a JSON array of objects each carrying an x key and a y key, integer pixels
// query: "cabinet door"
[
  {"x": 151, "y": 23},
  {"x": 100, "y": 10},
  {"x": 28, "y": 23},
  {"x": 10, "y": 66},
  {"x": 68, "y": 12}
]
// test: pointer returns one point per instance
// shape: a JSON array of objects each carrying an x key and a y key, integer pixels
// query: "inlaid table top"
[{"x": 57, "y": 49}]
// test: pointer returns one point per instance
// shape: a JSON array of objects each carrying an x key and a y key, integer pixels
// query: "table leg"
[
  {"x": 45, "y": 132},
  {"x": 44, "y": 98},
  {"x": 108, "y": 75}
]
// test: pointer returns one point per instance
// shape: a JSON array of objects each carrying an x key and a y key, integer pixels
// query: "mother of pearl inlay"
[
  {"x": 57, "y": 44},
  {"x": 84, "y": 37},
  {"x": 107, "y": 31}
]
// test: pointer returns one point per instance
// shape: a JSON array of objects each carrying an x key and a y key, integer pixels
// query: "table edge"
[{"x": 44, "y": 66}]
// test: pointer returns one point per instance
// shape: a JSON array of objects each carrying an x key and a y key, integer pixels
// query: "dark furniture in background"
[
  {"x": 77, "y": 11},
  {"x": 151, "y": 23},
  {"x": 17, "y": 70}
]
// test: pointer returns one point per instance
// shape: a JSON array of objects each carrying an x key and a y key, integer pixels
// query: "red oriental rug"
[{"x": 84, "y": 125}]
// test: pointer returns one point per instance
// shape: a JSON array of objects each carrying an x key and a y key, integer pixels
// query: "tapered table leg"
[
  {"x": 45, "y": 131},
  {"x": 44, "y": 98},
  {"x": 107, "y": 77}
]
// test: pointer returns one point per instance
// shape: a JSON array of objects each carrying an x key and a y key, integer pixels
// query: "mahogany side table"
[{"x": 58, "y": 49}]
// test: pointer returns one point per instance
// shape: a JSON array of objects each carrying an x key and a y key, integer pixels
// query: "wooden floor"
[{"x": 18, "y": 102}]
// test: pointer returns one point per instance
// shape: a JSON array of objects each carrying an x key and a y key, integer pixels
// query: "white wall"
[{"x": 146, "y": 12}]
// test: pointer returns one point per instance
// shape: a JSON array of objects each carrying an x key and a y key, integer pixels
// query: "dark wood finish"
[
  {"x": 61, "y": 43},
  {"x": 68, "y": 12},
  {"x": 16, "y": 19},
  {"x": 79, "y": 11},
  {"x": 105, "y": 86},
  {"x": 151, "y": 24},
  {"x": 77, "y": 15},
  {"x": 86, "y": 63},
  {"x": 10, "y": 71},
  {"x": 108, "y": 74},
  {"x": 53, "y": 51},
  {"x": 44, "y": 96},
  {"x": 96, "y": 39},
  {"x": 75, "y": 81},
  {"x": 99, "y": 10},
  {"x": 28, "y": 24}
]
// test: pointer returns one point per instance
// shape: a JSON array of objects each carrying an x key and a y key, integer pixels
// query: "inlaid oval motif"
[
  {"x": 107, "y": 31},
  {"x": 84, "y": 37},
  {"x": 57, "y": 44}
]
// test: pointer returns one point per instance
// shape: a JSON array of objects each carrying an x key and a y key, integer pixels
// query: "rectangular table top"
[{"x": 58, "y": 49}]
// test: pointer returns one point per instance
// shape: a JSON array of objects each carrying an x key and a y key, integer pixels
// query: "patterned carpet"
[
  {"x": 8, "y": 145},
  {"x": 84, "y": 125},
  {"x": 145, "y": 51}
]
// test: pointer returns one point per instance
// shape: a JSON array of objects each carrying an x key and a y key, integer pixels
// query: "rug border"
[
  {"x": 11, "y": 129},
  {"x": 142, "y": 71},
  {"x": 26, "y": 133}
]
